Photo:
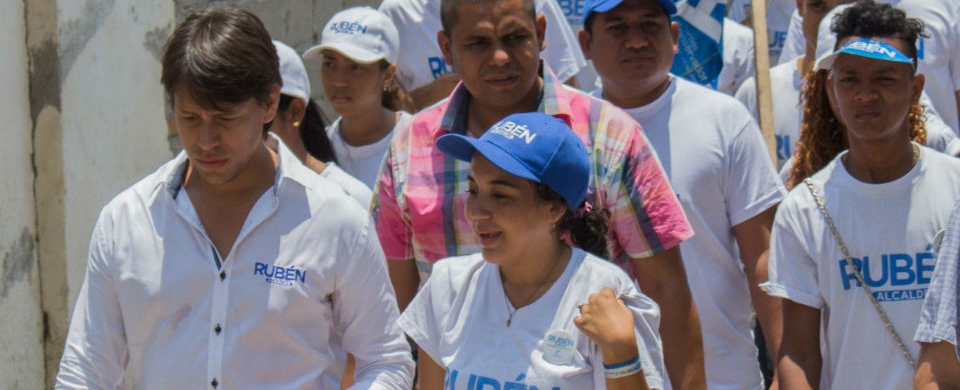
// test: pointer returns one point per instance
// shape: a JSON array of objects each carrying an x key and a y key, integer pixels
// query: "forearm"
[
  {"x": 405, "y": 280},
  {"x": 617, "y": 355},
  {"x": 753, "y": 239},
  {"x": 938, "y": 367},
  {"x": 663, "y": 278},
  {"x": 798, "y": 364}
]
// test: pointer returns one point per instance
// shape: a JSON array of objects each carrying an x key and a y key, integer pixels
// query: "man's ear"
[
  {"x": 675, "y": 36},
  {"x": 273, "y": 103},
  {"x": 445, "y": 47},
  {"x": 542, "y": 31},
  {"x": 916, "y": 87},
  {"x": 586, "y": 42}
]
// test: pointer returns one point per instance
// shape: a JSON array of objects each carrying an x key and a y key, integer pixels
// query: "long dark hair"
[
  {"x": 312, "y": 129},
  {"x": 587, "y": 229}
]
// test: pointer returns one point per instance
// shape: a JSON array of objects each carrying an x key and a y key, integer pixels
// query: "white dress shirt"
[{"x": 159, "y": 301}]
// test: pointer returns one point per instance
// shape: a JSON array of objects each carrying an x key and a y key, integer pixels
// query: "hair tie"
[{"x": 585, "y": 209}]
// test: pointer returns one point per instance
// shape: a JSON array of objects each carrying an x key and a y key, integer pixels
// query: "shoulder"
[
  {"x": 163, "y": 181},
  {"x": 602, "y": 273},
  {"x": 351, "y": 185},
  {"x": 455, "y": 273}
]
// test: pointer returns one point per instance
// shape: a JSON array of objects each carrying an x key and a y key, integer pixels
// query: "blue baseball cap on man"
[
  {"x": 534, "y": 146},
  {"x": 606, "y": 5},
  {"x": 877, "y": 50}
]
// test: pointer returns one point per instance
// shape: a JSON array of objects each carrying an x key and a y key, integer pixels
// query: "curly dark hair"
[
  {"x": 587, "y": 231},
  {"x": 822, "y": 135}
]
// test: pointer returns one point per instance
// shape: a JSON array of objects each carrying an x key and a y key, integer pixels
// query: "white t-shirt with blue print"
[
  {"x": 889, "y": 229},
  {"x": 458, "y": 318}
]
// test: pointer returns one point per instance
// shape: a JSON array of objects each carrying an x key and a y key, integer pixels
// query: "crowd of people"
[{"x": 516, "y": 194}]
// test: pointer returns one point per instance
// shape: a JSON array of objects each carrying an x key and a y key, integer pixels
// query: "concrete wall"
[
  {"x": 86, "y": 117},
  {"x": 21, "y": 330}
]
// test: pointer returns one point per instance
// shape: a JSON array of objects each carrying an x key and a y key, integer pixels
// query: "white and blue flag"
[{"x": 700, "y": 55}]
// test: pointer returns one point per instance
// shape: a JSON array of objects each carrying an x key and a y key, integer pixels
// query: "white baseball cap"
[
  {"x": 362, "y": 34},
  {"x": 292, "y": 72}
]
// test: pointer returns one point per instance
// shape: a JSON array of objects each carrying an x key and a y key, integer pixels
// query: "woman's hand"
[{"x": 609, "y": 323}]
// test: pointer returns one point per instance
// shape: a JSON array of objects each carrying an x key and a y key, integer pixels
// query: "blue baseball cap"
[
  {"x": 605, "y": 5},
  {"x": 868, "y": 48},
  {"x": 534, "y": 146}
]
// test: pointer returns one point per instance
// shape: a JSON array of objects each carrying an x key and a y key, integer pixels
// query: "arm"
[
  {"x": 405, "y": 280},
  {"x": 938, "y": 367},
  {"x": 663, "y": 278},
  {"x": 609, "y": 323},
  {"x": 430, "y": 374},
  {"x": 753, "y": 239},
  {"x": 95, "y": 353},
  {"x": 798, "y": 365},
  {"x": 435, "y": 91}
]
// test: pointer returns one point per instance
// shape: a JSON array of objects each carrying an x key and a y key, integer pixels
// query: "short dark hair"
[
  {"x": 869, "y": 19},
  {"x": 450, "y": 8},
  {"x": 221, "y": 55}
]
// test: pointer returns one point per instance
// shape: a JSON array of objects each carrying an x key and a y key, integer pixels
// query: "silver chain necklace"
[{"x": 506, "y": 300}]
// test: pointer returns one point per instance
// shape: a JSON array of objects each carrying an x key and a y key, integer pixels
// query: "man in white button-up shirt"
[{"x": 231, "y": 266}]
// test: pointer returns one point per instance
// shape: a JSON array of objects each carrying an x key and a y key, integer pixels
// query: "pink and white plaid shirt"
[{"x": 419, "y": 198}]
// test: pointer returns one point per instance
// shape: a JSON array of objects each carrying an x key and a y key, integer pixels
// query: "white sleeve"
[
  {"x": 792, "y": 271},
  {"x": 646, "y": 323},
  {"x": 955, "y": 54},
  {"x": 795, "y": 44},
  {"x": 938, "y": 318},
  {"x": 563, "y": 52},
  {"x": 420, "y": 319},
  {"x": 750, "y": 182},
  {"x": 366, "y": 310},
  {"x": 747, "y": 94},
  {"x": 95, "y": 354}
]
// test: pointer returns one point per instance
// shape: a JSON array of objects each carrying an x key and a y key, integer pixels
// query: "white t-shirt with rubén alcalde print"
[
  {"x": 719, "y": 168},
  {"x": 421, "y": 61},
  {"x": 889, "y": 229},
  {"x": 458, "y": 318}
]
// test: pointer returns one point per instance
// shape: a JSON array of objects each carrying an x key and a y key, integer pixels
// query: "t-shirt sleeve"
[
  {"x": 563, "y": 52},
  {"x": 751, "y": 185},
  {"x": 392, "y": 222},
  {"x": 645, "y": 216},
  {"x": 747, "y": 94},
  {"x": 420, "y": 320},
  {"x": 938, "y": 318},
  {"x": 646, "y": 317},
  {"x": 792, "y": 271}
]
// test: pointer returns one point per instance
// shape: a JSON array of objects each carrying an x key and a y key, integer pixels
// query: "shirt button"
[
  {"x": 214, "y": 383},
  {"x": 223, "y": 275},
  {"x": 217, "y": 329}
]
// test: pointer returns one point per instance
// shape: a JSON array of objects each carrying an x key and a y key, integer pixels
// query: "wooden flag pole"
[{"x": 762, "y": 62}]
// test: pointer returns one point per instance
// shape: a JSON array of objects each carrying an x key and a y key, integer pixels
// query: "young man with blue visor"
[{"x": 851, "y": 248}]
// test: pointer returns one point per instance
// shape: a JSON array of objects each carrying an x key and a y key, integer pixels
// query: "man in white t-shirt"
[
  {"x": 717, "y": 164},
  {"x": 421, "y": 67},
  {"x": 229, "y": 267},
  {"x": 738, "y": 53},
  {"x": 885, "y": 196},
  {"x": 937, "y": 53}
]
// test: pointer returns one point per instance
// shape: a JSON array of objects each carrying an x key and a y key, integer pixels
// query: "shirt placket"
[{"x": 218, "y": 320}]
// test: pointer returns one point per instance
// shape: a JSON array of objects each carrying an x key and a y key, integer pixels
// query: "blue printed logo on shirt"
[
  {"x": 899, "y": 278},
  {"x": 480, "y": 382},
  {"x": 279, "y": 275}
]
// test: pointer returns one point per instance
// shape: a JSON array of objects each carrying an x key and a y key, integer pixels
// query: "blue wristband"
[{"x": 623, "y": 369}]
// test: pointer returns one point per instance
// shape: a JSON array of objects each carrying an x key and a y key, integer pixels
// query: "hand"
[{"x": 609, "y": 323}]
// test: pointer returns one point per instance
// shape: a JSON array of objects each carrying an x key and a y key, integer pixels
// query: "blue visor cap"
[
  {"x": 606, "y": 5},
  {"x": 534, "y": 146},
  {"x": 868, "y": 48}
]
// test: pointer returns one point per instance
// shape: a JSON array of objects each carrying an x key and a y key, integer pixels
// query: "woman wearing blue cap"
[{"x": 520, "y": 314}]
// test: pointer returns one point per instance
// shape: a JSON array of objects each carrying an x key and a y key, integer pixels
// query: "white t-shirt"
[
  {"x": 421, "y": 61},
  {"x": 938, "y": 55},
  {"x": 738, "y": 53},
  {"x": 459, "y": 317},
  {"x": 363, "y": 162},
  {"x": 785, "y": 84},
  {"x": 159, "y": 303},
  {"x": 888, "y": 226},
  {"x": 718, "y": 165},
  {"x": 351, "y": 185},
  {"x": 779, "y": 13},
  {"x": 795, "y": 44}
]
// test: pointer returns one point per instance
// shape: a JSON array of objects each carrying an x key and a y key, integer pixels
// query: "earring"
[
  {"x": 296, "y": 124},
  {"x": 386, "y": 88}
]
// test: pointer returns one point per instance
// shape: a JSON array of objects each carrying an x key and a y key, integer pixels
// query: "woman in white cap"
[
  {"x": 520, "y": 314},
  {"x": 358, "y": 48},
  {"x": 300, "y": 126}
]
